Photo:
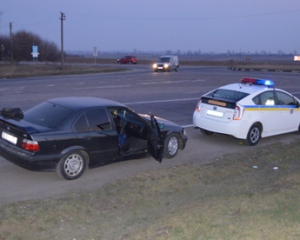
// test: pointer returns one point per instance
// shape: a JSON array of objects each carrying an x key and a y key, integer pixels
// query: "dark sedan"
[
  {"x": 127, "y": 60},
  {"x": 67, "y": 135}
]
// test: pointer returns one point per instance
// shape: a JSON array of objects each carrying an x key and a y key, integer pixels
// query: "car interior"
[{"x": 132, "y": 132}]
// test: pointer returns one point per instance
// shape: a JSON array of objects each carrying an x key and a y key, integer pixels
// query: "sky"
[{"x": 216, "y": 26}]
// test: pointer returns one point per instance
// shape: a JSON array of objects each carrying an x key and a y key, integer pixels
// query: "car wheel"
[
  {"x": 72, "y": 165},
  {"x": 298, "y": 132},
  {"x": 171, "y": 146},
  {"x": 206, "y": 132},
  {"x": 254, "y": 135}
]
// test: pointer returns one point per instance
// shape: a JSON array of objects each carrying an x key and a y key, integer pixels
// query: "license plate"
[
  {"x": 9, "y": 138},
  {"x": 215, "y": 113}
]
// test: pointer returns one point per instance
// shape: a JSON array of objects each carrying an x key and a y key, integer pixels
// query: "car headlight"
[
  {"x": 166, "y": 65},
  {"x": 154, "y": 65}
]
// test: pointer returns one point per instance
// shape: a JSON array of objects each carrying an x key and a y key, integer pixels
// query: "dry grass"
[
  {"x": 227, "y": 199},
  {"x": 50, "y": 69}
]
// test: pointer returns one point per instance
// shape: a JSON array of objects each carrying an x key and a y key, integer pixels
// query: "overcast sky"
[{"x": 160, "y": 25}]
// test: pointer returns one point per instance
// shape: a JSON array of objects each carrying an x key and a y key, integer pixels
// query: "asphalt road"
[{"x": 170, "y": 95}]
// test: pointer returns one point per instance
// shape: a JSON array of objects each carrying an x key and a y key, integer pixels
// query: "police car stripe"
[{"x": 271, "y": 108}]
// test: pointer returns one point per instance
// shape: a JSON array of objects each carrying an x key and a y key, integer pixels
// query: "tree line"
[{"x": 19, "y": 47}]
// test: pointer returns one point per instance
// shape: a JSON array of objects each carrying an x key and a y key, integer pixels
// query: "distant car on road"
[
  {"x": 248, "y": 110},
  {"x": 128, "y": 59},
  {"x": 72, "y": 133},
  {"x": 166, "y": 63}
]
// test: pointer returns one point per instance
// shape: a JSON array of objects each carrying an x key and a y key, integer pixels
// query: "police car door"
[
  {"x": 290, "y": 114},
  {"x": 270, "y": 114}
]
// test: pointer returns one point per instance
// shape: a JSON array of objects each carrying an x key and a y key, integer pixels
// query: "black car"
[{"x": 72, "y": 133}]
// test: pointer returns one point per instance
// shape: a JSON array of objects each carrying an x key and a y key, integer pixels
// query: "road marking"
[{"x": 104, "y": 87}]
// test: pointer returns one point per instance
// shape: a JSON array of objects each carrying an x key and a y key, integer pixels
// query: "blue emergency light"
[{"x": 256, "y": 81}]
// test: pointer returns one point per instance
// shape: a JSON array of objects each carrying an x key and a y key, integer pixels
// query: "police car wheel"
[
  {"x": 254, "y": 134},
  {"x": 206, "y": 132}
]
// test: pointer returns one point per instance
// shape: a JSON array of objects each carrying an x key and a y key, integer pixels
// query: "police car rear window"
[
  {"x": 227, "y": 95},
  {"x": 224, "y": 98}
]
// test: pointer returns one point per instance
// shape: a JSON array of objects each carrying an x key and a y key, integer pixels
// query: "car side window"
[
  {"x": 93, "y": 120},
  {"x": 129, "y": 124},
  {"x": 256, "y": 100},
  {"x": 267, "y": 98},
  {"x": 284, "y": 99},
  {"x": 81, "y": 124}
]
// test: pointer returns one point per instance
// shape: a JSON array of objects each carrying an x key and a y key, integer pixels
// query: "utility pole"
[
  {"x": 11, "y": 43},
  {"x": 62, "y": 18}
]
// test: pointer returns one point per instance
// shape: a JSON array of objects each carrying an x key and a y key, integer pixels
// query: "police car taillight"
[
  {"x": 198, "y": 106},
  {"x": 256, "y": 81},
  {"x": 237, "y": 114}
]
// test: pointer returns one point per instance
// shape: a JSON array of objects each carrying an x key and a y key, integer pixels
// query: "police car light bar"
[{"x": 257, "y": 81}]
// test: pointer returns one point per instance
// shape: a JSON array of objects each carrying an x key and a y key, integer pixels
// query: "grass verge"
[
  {"x": 226, "y": 199},
  {"x": 38, "y": 70}
]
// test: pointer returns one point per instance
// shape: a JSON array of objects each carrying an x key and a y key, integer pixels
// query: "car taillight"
[
  {"x": 198, "y": 106},
  {"x": 237, "y": 115},
  {"x": 30, "y": 145}
]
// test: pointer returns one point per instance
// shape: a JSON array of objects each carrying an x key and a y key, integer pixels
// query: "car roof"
[
  {"x": 246, "y": 88},
  {"x": 76, "y": 103}
]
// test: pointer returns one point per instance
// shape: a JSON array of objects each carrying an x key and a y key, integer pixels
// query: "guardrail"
[{"x": 263, "y": 69}]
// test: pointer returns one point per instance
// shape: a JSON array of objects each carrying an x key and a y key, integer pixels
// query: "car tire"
[
  {"x": 206, "y": 132},
  {"x": 171, "y": 146},
  {"x": 254, "y": 134},
  {"x": 298, "y": 129},
  {"x": 72, "y": 165}
]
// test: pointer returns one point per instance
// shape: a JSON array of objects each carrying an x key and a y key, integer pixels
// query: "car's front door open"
[{"x": 155, "y": 141}]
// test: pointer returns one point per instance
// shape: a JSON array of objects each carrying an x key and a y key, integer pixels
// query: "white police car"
[{"x": 248, "y": 110}]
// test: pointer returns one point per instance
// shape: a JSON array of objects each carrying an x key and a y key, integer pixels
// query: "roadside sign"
[
  {"x": 95, "y": 53},
  {"x": 35, "y": 53}
]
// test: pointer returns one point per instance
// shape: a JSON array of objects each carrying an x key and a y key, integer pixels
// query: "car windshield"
[
  {"x": 47, "y": 114},
  {"x": 227, "y": 95},
  {"x": 164, "y": 59}
]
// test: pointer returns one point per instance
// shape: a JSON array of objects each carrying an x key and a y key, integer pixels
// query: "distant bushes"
[{"x": 22, "y": 42}]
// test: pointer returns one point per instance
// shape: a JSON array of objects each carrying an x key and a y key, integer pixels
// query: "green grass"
[{"x": 226, "y": 199}]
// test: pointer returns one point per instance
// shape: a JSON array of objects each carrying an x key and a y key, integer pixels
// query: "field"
[
  {"x": 252, "y": 195},
  {"x": 50, "y": 69}
]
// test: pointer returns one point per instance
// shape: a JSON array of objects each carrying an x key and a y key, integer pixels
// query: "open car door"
[{"x": 155, "y": 141}]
